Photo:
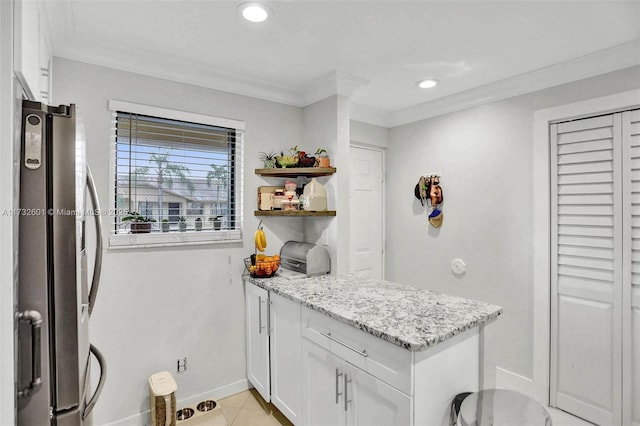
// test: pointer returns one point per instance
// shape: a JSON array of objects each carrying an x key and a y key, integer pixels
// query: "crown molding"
[
  {"x": 616, "y": 58},
  {"x": 369, "y": 115},
  {"x": 332, "y": 83},
  {"x": 338, "y": 82}
]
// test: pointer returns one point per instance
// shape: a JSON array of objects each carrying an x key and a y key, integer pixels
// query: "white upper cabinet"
[{"x": 32, "y": 52}]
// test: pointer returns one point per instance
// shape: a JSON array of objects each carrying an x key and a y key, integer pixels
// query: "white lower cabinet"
[
  {"x": 274, "y": 365},
  {"x": 286, "y": 356},
  {"x": 323, "y": 386},
  {"x": 338, "y": 393},
  {"x": 256, "y": 306},
  {"x": 373, "y": 402},
  {"x": 321, "y": 372}
]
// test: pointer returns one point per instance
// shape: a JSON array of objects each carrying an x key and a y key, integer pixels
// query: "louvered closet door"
[
  {"x": 586, "y": 279},
  {"x": 631, "y": 295}
]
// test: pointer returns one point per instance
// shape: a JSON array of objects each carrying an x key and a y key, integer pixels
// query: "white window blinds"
[{"x": 175, "y": 180}]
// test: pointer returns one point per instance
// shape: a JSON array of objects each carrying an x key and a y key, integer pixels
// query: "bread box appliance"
[{"x": 303, "y": 259}]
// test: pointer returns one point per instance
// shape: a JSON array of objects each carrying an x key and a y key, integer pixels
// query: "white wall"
[
  {"x": 8, "y": 151},
  {"x": 157, "y": 305},
  {"x": 369, "y": 134},
  {"x": 326, "y": 125},
  {"x": 484, "y": 157}
]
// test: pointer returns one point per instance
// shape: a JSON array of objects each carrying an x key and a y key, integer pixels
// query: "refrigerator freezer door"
[
  {"x": 33, "y": 293},
  {"x": 52, "y": 268},
  {"x": 71, "y": 342}
]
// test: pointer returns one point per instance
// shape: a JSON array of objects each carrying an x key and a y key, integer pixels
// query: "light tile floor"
[{"x": 249, "y": 409}]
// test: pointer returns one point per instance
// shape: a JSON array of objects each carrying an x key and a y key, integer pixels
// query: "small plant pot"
[
  {"x": 140, "y": 227},
  {"x": 165, "y": 226},
  {"x": 269, "y": 164},
  {"x": 324, "y": 162},
  {"x": 217, "y": 224},
  {"x": 182, "y": 226},
  {"x": 198, "y": 226}
]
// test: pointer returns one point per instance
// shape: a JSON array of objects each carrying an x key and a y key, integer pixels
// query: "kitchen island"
[{"x": 362, "y": 351}]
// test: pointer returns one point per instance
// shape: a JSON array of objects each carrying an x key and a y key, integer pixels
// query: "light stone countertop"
[{"x": 415, "y": 319}]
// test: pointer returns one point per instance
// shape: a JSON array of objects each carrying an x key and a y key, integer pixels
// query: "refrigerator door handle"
[
  {"x": 103, "y": 376},
  {"x": 35, "y": 320},
  {"x": 97, "y": 266}
]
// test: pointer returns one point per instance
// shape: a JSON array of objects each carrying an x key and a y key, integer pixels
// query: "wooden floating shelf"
[
  {"x": 293, "y": 213},
  {"x": 297, "y": 171}
]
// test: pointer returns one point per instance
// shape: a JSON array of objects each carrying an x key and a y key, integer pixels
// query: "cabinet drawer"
[{"x": 381, "y": 359}]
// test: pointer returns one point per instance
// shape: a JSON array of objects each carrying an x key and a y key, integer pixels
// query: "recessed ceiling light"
[
  {"x": 427, "y": 84},
  {"x": 255, "y": 12}
]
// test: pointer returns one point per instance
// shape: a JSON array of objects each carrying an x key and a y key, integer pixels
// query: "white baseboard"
[
  {"x": 217, "y": 393},
  {"x": 506, "y": 379},
  {"x": 142, "y": 419}
]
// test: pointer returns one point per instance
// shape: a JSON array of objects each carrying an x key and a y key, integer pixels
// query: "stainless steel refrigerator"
[{"x": 55, "y": 298}]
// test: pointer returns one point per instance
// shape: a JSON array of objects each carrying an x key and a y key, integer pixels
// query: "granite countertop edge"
[{"x": 485, "y": 312}]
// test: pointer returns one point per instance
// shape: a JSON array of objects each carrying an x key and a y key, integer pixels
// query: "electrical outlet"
[{"x": 181, "y": 365}]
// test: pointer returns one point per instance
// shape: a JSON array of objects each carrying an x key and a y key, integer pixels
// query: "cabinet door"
[
  {"x": 286, "y": 356},
  {"x": 323, "y": 387},
  {"x": 257, "y": 338},
  {"x": 372, "y": 402},
  {"x": 27, "y": 46},
  {"x": 32, "y": 55}
]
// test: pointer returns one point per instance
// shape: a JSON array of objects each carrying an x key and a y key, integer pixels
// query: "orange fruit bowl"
[{"x": 265, "y": 267}]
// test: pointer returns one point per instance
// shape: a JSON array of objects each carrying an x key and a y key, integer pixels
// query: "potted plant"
[
  {"x": 217, "y": 221},
  {"x": 138, "y": 224},
  {"x": 165, "y": 225},
  {"x": 268, "y": 159},
  {"x": 323, "y": 159},
  {"x": 198, "y": 224},
  {"x": 182, "y": 223},
  {"x": 305, "y": 160},
  {"x": 290, "y": 160}
]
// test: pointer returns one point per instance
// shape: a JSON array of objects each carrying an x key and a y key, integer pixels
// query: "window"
[
  {"x": 146, "y": 208},
  {"x": 173, "y": 212},
  {"x": 178, "y": 171},
  {"x": 196, "y": 209}
]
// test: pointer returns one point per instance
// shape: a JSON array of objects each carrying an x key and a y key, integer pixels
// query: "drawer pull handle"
[
  {"x": 359, "y": 352},
  {"x": 346, "y": 397},
  {"x": 338, "y": 393},
  {"x": 260, "y": 327}
]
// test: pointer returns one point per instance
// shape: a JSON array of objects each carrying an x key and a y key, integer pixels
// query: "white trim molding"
[
  {"x": 616, "y": 58},
  {"x": 542, "y": 227},
  {"x": 154, "y": 111},
  {"x": 506, "y": 379}
]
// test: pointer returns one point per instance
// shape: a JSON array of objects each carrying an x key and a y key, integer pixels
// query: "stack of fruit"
[
  {"x": 265, "y": 266},
  {"x": 261, "y": 265}
]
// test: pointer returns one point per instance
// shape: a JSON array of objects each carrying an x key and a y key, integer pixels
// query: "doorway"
[
  {"x": 562, "y": 292},
  {"x": 366, "y": 212}
]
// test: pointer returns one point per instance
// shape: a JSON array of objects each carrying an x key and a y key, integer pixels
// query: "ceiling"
[{"x": 374, "y": 51}]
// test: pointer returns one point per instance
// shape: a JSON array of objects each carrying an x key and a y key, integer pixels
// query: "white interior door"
[
  {"x": 586, "y": 268},
  {"x": 595, "y": 270},
  {"x": 366, "y": 213},
  {"x": 631, "y": 279}
]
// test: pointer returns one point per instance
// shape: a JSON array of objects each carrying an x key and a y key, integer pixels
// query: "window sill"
[{"x": 169, "y": 239}]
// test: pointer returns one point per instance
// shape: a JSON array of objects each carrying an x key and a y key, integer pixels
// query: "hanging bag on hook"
[
  {"x": 435, "y": 218},
  {"x": 421, "y": 191},
  {"x": 435, "y": 192}
]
